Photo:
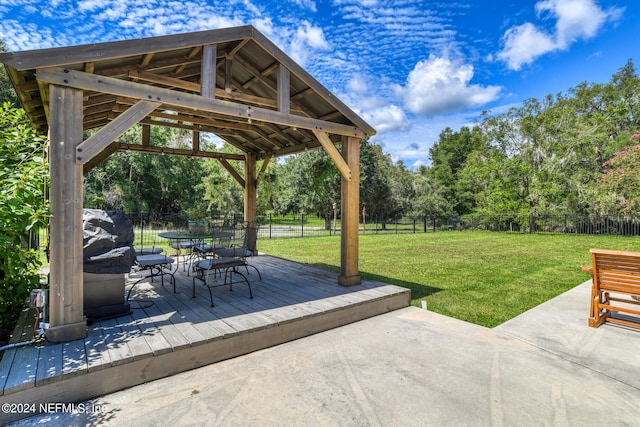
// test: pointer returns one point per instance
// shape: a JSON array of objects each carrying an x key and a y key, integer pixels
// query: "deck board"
[
  {"x": 167, "y": 332},
  {"x": 151, "y": 333},
  {"x": 74, "y": 358},
  {"x": 137, "y": 344},
  {"x": 97, "y": 350},
  {"x": 117, "y": 347},
  {"x": 49, "y": 364}
]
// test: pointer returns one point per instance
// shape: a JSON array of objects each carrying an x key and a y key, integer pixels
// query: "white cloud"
[
  {"x": 304, "y": 41},
  {"x": 306, "y": 4},
  {"x": 439, "y": 85},
  {"x": 387, "y": 118},
  {"x": 575, "y": 20},
  {"x": 523, "y": 44},
  {"x": 374, "y": 102}
]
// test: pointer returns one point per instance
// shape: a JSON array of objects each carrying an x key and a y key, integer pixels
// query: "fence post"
[
  {"x": 302, "y": 228},
  {"x": 141, "y": 230},
  {"x": 270, "y": 224}
]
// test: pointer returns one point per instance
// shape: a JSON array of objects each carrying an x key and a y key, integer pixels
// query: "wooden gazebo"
[{"x": 230, "y": 82}]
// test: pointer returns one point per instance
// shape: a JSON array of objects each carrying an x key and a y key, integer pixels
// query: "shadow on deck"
[{"x": 168, "y": 333}]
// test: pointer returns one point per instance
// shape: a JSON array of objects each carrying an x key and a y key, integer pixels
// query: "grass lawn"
[{"x": 481, "y": 277}]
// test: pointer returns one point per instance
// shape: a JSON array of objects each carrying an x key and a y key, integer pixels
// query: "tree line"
[{"x": 571, "y": 153}]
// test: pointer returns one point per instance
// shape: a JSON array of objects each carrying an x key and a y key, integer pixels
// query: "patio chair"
[
  {"x": 157, "y": 265},
  {"x": 221, "y": 239},
  {"x": 148, "y": 251},
  {"x": 217, "y": 266},
  {"x": 243, "y": 251}
]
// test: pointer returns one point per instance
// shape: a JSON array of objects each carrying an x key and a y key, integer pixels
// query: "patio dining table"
[{"x": 184, "y": 240}]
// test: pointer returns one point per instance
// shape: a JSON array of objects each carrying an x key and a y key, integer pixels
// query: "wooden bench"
[{"x": 615, "y": 287}]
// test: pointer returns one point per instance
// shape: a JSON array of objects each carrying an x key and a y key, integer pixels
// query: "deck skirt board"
[{"x": 167, "y": 333}]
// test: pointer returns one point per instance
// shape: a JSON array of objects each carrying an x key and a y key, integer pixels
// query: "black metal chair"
[
  {"x": 217, "y": 266},
  {"x": 246, "y": 250},
  {"x": 157, "y": 265}
]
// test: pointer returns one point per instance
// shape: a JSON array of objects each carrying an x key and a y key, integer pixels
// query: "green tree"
[
  {"x": 23, "y": 170},
  {"x": 429, "y": 196},
  {"x": 375, "y": 184},
  {"x": 448, "y": 156},
  {"x": 7, "y": 92},
  {"x": 309, "y": 184},
  {"x": 619, "y": 181},
  {"x": 221, "y": 192},
  {"x": 147, "y": 182}
]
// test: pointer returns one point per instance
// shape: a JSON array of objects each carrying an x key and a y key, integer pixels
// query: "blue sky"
[{"x": 410, "y": 68}]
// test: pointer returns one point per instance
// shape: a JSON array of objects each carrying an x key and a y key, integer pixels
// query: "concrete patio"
[{"x": 406, "y": 367}]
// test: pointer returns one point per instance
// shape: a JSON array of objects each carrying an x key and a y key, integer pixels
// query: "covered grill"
[{"x": 108, "y": 254}]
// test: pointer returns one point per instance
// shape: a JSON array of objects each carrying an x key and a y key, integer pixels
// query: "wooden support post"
[
  {"x": 228, "y": 73},
  {"x": 208, "y": 72},
  {"x": 284, "y": 89},
  {"x": 146, "y": 135},
  {"x": 350, "y": 201},
  {"x": 250, "y": 189},
  {"x": 66, "y": 304}
]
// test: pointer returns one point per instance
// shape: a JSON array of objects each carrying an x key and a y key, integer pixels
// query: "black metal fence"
[
  {"x": 564, "y": 224},
  {"x": 279, "y": 226}
]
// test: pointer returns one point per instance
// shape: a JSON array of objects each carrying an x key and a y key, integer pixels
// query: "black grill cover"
[{"x": 107, "y": 242}]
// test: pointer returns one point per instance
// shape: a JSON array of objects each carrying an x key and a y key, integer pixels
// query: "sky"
[{"x": 409, "y": 68}]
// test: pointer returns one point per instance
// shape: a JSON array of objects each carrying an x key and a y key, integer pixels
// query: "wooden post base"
[
  {"x": 65, "y": 333},
  {"x": 349, "y": 280}
]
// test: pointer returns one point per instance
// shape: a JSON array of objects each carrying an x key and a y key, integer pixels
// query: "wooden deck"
[{"x": 172, "y": 333}]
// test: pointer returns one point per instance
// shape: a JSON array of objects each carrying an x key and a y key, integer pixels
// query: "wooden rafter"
[
  {"x": 81, "y": 80},
  {"x": 152, "y": 149}
]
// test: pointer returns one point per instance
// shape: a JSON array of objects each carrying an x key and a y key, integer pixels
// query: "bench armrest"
[{"x": 587, "y": 268}]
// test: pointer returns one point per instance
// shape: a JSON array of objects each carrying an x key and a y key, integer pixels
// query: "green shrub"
[{"x": 23, "y": 171}]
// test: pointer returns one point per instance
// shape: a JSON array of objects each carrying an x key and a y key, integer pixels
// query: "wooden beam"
[
  {"x": 185, "y": 116},
  {"x": 284, "y": 89},
  {"x": 102, "y": 156},
  {"x": 350, "y": 214},
  {"x": 81, "y": 80},
  {"x": 105, "y": 136},
  {"x": 265, "y": 163},
  {"x": 178, "y": 151},
  {"x": 228, "y": 73},
  {"x": 182, "y": 125},
  {"x": 66, "y": 301},
  {"x": 192, "y": 53},
  {"x": 208, "y": 72},
  {"x": 335, "y": 155},
  {"x": 234, "y": 173},
  {"x": 146, "y": 76},
  {"x": 195, "y": 141},
  {"x": 53, "y": 57},
  {"x": 146, "y": 135},
  {"x": 250, "y": 190},
  {"x": 196, "y": 88},
  {"x": 146, "y": 59}
]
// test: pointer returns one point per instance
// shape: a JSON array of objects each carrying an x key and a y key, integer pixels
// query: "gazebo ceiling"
[{"x": 262, "y": 102}]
